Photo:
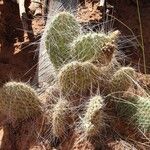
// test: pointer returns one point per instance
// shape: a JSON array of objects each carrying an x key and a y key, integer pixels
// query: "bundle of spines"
[
  {"x": 95, "y": 47},
  {"x": 63, "y": 29},
  {"x": 77, "y": 78},
  {"x": 61, "y": 118},
  {"x": 93, "y": 121},
  {"x": 18, "y": 101}
]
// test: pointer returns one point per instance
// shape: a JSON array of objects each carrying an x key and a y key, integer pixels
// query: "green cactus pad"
[
  {"x": 142, "y": 116},
  {"x": 19, "y": 101},
  {"x": 77, "y": 77},
  {"x": 93, "y": 120},
  {"x": 136, "y": 111},
  {"x": 61, "y": 118},
  {"x": 94, "y": 47},
  {"x": 122, "y": 79},
  {"x": 63, "y": 29}
]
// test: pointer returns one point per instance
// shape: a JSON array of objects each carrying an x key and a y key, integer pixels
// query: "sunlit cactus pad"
[
  {"x": 63, "y": 29},
  {"x": 94, "y": 47}
]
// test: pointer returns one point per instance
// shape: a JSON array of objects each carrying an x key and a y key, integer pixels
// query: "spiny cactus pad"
[
  {"x": 77, "y": 77},
  {"x": 61, "y": 118},
  {"x": 122, "y": 79},
  {"x": 63, "y": 29},
  {"x": 136, "y": 111},
  {"x": 142, "y": 116},
  {"x": 19, "y": 101},
  {"x": 93, "y": 120},
  {"x": 94, "y": 47}
]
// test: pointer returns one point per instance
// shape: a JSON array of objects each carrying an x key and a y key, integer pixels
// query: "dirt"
[
  {"x": 18, "y": 52},
  {"x": 127, "y": 13}
]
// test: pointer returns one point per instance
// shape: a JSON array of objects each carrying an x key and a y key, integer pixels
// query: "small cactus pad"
[
  {"x": 142, "y": 116},
  {"x": 61, "y": 118},
  {"x": 63, "y": 29},
  {"x": 93, "y": 122},
  {"x": 19, "y": 101},
  {"x": 122, "y": 79},
  {"x": 94, "y": 47},
  {"x": 77, "y": 77}
]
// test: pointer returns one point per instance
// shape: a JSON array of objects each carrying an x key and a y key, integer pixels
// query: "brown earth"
[{"x": 18, "y": 57}]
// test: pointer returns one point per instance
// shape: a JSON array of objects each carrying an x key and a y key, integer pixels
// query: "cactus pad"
[
  {"x": 61, "y": 118},
  {"x": 77, "y": 77},
  {"x": 63, "y": 29},
  {"x": 93, "y": 122},
  {"x": 18, "y": 101},
  {"x": 94, "y": 47},
  {"x": 122, "y": 79}
]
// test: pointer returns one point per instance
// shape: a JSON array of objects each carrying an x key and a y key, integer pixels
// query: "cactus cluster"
[
  {"x": 90, "y": 65},
  {"x": 85, "y": 66}
]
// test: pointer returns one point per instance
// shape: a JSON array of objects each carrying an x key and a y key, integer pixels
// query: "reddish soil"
[
  {"x": 127, "y": 12},
  {"x": 17, "y": 54},
  {"x": 18, "y": 58}
]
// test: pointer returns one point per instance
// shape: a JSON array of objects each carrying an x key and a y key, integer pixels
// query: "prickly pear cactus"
[
  {"x": 61, "y": 118},
  {"x": 126, "y": 107},
  {"x": 94, "y": 47},
  {"x": 136, "y": 111},
  {"x": 142, "y": 116},
  {"x": 77, "y": 77},
  {"x": 19, "y": 101},
  {"x": 122, "y": 79},
  {"x": 93, "y": 120},
  {"x": 63, "y": 29}
]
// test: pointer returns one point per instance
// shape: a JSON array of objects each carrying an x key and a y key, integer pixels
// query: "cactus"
[
  {"x": 63, "y": 29},
  {"x": 125, "y": 107},
  {"x": 94, "y": 47},
  {"x": 93, "y": 120},
  {"x": 136, "y": 111},
  {"x": 142, "y": 116},
  {"x": 61, "y": 118},
  {"x": 77, "y": 77},
  {"x": 19, "y": 101},
  {"x": 122, "y": 79}
]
